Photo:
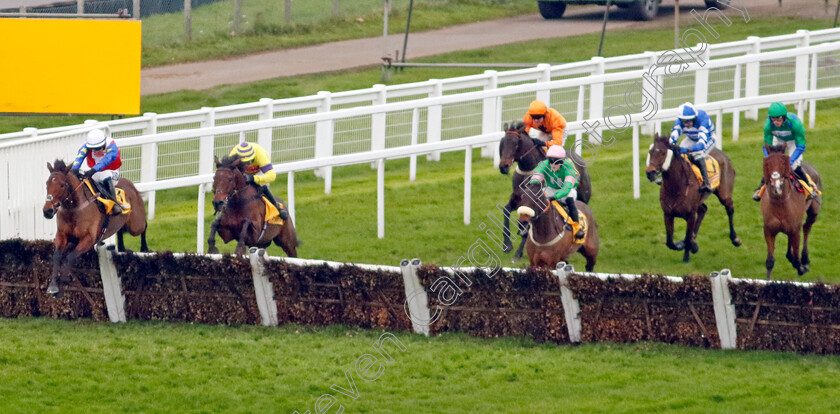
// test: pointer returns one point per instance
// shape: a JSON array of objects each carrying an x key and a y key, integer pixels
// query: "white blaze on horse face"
[{"x": 777, "y": 182}]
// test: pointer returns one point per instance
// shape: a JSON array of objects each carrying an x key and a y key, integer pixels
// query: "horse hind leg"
[
  {"x": 689, "y": 232},
  {"x": 729, "y": 205},
  {"x": 507, "y": 244},
  {"x": 793, "y": 250},
  {"x": 287, "y": 239},
  {"x": 143, "y": 246},
  {"x": 806, "y": 231},
  {"x": 523, "y": 233}
]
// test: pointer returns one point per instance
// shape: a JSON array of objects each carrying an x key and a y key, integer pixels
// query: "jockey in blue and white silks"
[{"x": 699, "y": 139}]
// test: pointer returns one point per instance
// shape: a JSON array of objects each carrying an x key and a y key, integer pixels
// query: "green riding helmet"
[{"x": 777, "y": 109}]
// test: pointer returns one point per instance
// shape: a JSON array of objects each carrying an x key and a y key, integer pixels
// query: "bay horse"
[
  {"x": 783, "y": 208},
  {"x": 82, "y": 221},
  {"x": 548, "y": 242},
  {"x": 680, "y": 194},
  {"x": 242, "y": 213},
  {"x": 517, "y": 146}
]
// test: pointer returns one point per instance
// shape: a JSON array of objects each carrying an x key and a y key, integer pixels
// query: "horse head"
[
  {"x": 60, "y": 186},
  {"x": 660, "y": 155},
  {"x": 228, "y": 181},
  {"x": 776, "y": 169},
  {"x": 512, "y": 145},
  {"x": 533, "y": 201}
]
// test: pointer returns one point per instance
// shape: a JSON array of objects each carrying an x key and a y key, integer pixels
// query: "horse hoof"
[
  {"x": 736, "y": 241},
  {"x": 802, "y": 270},
  {"x": 507, "y": 248},
  {"x": 213, "y": 250},
  {"x": 686, "y": 259},
  {"x": 695, "y": 248},
  {"x": 677, "y": 246}
]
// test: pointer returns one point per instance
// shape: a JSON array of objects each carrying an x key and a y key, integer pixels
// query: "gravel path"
[{"x": 368, "y": 52}]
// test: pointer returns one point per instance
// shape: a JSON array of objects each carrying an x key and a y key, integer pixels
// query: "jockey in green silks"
[
  {"x": 561, "y": 181},
  {"x": 785, "y": 128}
]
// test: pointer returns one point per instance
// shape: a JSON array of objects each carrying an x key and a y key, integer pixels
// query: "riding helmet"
[
  {"x": 95, "y": 139},
  {"x": 245, "y": 151},
  {"x": 687, "y": 111},
  {"x": 777, "y": 109},
  {"x": 537, "y": 108}
]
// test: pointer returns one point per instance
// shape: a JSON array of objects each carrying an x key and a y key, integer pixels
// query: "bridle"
[
  {"x": 232, "y": 194},
  {"x": 669, "y": 156},
  {"x": 65, "y": 186}
]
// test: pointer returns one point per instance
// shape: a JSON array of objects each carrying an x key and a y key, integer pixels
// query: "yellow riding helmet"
[
  {"x": 537, "y": 108},
  {"x": 245, "y": 151}
]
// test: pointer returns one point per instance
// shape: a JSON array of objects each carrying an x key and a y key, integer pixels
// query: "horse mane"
[
  {"x": 517, "y": 126},
  {"x": 228, "y": 160},
  {"x": 60, "y": 165}
]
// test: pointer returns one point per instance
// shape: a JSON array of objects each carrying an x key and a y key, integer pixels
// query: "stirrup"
[
  {"x": 706, "y": 188},
  {"x": 284, "y": 214},
  {"x": 757, "y": 195},
  {"x": 117, "y": 209}
]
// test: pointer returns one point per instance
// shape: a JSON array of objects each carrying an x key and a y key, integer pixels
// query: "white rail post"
[
  {"x": 324, "y": 134},
  {"x": 812, "y": 111},
  {"x": 701, "y": 78},
  {"x": 290, "y": 193},
  {"x": 199, "y": 217},
  {"x": 149, "y": 162},
  {"x": 489, "y": 122},
  {"x": 434, "y": 119},
  {"x": 378, "y": 122},
  {"x": 724, "y": 309},
  {"x": 649, "y": 90},
  {"x": 571, "y": 306},
  {"x": 637, "y": 188},
  {"x": 545, "y": 76},
  {"x": 801, "y": 75},
  {"x": 415, "y": 132},
  {"x": 596, "y": 99},
  {"x": 380, "y": 198},
  {"x": 580, "y": 116},
  {"x": 736, "y": 94},
  {"x": 264, "y": 136},
  {"x": 114, "y": 298},
  {"x": 467, "y": 183},
  {"x": 263, "y": 290},
  {"x": 752, "y": 77},
  {"x": 719, "y": 129},
  {"x": 416, "y": 300}
]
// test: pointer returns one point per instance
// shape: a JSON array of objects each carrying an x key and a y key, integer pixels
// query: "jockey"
[
  {"x": 561, "y": 180},
  {"x": 258, "y": 161},
  {"x": 785, "y": 128},
  {"x": 545, "y": 125},
  {"x": 699, "y": 138},
  {"x": 103, "y": 158}
]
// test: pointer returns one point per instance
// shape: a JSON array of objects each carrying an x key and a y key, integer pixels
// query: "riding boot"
[
  {"x": 284, "y": 214},
  {"x": 573, "y": 214},
  {"x": 801, "y": 175},
  {"x": 700, "y": 162},
  {"x": 111, "y": 192},
  {"x": 757, "y": 194}
]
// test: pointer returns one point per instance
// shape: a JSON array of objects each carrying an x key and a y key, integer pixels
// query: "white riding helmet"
[
  {"x": 95, "y": 138},
  {"x": 687, "y": 111}
]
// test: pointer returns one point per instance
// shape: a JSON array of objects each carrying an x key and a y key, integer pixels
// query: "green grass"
[
  {"x": 263, "y": 27},
  {"x": 151, "y": 367}
]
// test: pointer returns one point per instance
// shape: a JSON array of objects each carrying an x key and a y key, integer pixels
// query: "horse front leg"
[
  {"x": 701, "y": 213},
  {"x": 241, "y": 246},
  {"x": 770, "y": 238},
  {"x": 58, "y": 256},
  {"x": 669, "y": 234},
  {"x": 689, "y": 244},
  {"x": 729, "y": 205},
  {"x": 211, "y": 240},
  {"x": 522, "y": 227},
  {"x": 806, "y": 231},
  {"x": 507, "y": 245}
]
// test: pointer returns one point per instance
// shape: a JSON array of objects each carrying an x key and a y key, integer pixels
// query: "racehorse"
[
  {"x": 680, "y": 195},
  {"x": 783, "y": 208},
  {"x": 82, "y": 222},
  {"x": 548, "y": 242},
  {"x": 242, "y": 213},
  {"x": 517, "y": 146}
]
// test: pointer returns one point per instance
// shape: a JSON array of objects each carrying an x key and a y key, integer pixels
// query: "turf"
[{"x": 151, "y": 367}]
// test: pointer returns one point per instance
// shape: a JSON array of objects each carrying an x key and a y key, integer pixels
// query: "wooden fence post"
[
  {"x": 263, "y": 290},
  {"x": 416, "y": 300},
  {"x": 114, "y": 298},
  {"x": 571, "y": 306}
]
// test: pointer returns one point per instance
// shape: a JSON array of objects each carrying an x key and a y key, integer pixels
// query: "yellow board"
[
  {"x": 272, "y": 214},
  {"x": 712, "y": 167},
  {"x": 569, "y": 220},
  {"x": 70, "y": 66}
]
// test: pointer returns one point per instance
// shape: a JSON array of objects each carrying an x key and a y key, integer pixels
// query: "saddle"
[
  {"x": 109, "y": 204},
  {"x": 582, "y": 223},
  {"x": 272, "y": 214},
  {"x": 799, "y": 185},
  {"x": 712, "y": 167}
]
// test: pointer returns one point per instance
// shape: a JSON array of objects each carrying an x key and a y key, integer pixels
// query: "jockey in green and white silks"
[
  {"x": 560, "y": 178},
  {"x": 785, "y": 128},
  {"x": 699, "y": 139}
]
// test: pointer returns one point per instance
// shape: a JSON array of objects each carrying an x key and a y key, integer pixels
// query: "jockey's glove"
[
  {"x": 538, "y": 142},
  {"x": 89, "y": 173},
  {"x": 249, "y": 179}
]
